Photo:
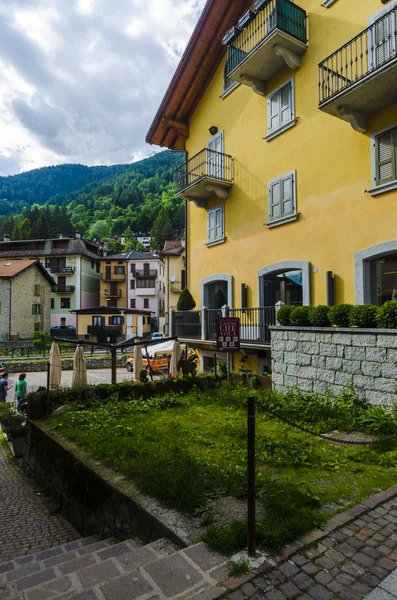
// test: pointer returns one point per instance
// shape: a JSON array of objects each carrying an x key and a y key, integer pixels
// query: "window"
[
  {"x": 215, "y": 225},
  {"x": 146, "y": 303},
  {"x": 119, "y": 270},
  {"x": 92, "y": 264},
  {"x": 385, "y": 158},
  {"x": 183, "y": 279},
  {"x": 382, "y": 38},
  {"x": 65, "y": 302},
  {"x": 133, "y": 267},
  {"x": 37, "y": 327},
  {"x": 112, "y": 303},
  {"x": 52, "y": 303},
  {"x": 37, "y": 290},
  {"x": 282, "y": 199},
  {"x": 63, "y": 322},
  {"x": 97, "y": 267},
  {"x": 145, "y": 283},
  {"x": 228, "y": 84},
  {"x": 36, "y": 309},
  {"x": 132, "y": 284},
  {"x": 280, "y": 110},
  {"x": 143, "y": 321},
  {"x": 119, "y": 262},
  {"x": 115, "y": 320},
  {"x": 132, "y": 303},
  {"x": 47, "y": 263}
]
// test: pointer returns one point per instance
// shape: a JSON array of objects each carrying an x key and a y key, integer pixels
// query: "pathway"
[{"x": 28, "y": 522}]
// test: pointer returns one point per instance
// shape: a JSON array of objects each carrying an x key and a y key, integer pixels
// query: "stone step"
[
  {"x": 21, "y": 561},
  {"x": 188, "y": 573}
]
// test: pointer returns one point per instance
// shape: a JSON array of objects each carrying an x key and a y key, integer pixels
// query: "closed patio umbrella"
[
  {"x": 137, "y": 362},
  {"x": 79, "y": 369},
  {"x": 55, "y": 367},
  {"x": 175, "y": 358}
]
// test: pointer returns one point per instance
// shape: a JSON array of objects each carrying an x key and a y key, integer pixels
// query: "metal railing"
[
  {"x": 205, "y": 164},
  {"x": 255, "y": 322},
  {"x": 105, "y": 329},
  {"x": 63, "y": 289},
  {"x": 67, "y": 270},
  {"x": 113, "y": 276},
  {"x": 112, "y": 293},
  {"x": 366, "y": 53},
  {"x": 187, "y": 324},
  {"x": 271, "y": 15},
  {"x": 146, "y": 273}
]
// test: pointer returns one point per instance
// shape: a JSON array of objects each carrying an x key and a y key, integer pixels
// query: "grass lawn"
[{"x": 190, "y": 450}]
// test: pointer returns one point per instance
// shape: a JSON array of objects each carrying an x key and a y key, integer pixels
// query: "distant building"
[
  {"x": 25, "y": 299},
  {"x": 173, "y": 254},
  {"x": 74, "y": 265},
  {"x": 144, "y": 239},
  {"x": 110, "y": 325}
]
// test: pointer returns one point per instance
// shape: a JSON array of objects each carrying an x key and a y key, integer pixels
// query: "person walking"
[
  {"x": 4, "y": 387},
  {"x": 20, "y": 390}
]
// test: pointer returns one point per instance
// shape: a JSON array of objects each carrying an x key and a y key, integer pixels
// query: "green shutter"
[{"x": 386, "y": 157}]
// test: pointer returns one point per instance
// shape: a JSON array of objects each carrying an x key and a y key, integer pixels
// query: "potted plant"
[{"x": 230, "y": 36}]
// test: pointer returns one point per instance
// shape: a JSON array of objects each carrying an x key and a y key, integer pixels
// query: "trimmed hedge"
[{"x": 340, "y": 315}]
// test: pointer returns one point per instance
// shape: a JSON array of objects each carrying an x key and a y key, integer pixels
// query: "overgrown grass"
[{"x": 188, "y": 450}]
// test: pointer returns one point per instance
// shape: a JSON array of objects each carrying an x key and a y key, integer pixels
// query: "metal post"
[
  {"x": 48, "y": 376},
  {"x": 148, "y": 362},
  {"x": 215, "y": 367},
  {"x": 251, "y": 476},
  {"x": 228, "y": 367},
  {"x": 114, "y": 364}
]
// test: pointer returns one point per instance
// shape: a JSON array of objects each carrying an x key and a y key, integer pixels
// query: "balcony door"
[
  {"x": 215, "y": 147},
  {"x": 382, "y": 36},
  {"x": 61, "y": 282}
]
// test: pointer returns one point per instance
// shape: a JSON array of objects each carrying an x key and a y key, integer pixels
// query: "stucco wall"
[
  {"x": 327, "y": 359},
  {"x": 22, "y": 298}
]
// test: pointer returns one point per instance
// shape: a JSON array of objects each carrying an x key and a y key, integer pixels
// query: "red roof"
[{"x": 12, "y": 268}]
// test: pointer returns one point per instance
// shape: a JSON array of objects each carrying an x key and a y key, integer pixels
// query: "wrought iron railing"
[
  {"x": 205, "y": 164},
  {"x": 369, "y": 51},
  {"x": 270, "y": 15},
  {"x": 104, "y": 329},
  {"x": 112, "y": 293},
  {"x": 147, "y": 273},
  {"x": 63, "y": 289},
  {"x": 255, "y": 322},
  {"x": 68, "y": 270},
  {"x": 187, "y": 324},
  {"x": 113, "y": 276}
]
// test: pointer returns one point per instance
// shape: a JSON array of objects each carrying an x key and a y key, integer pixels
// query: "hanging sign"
[{"x": 228, "y": 334}]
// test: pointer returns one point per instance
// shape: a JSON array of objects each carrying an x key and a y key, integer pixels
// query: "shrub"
[
  {"x": 387, "y": 315},
  {"x": 339, "y": 315},
  {"x": 185, "y": 301},
  {"x": 40, "y": 339},
  {"x": 284, "y": 315},
  {"x": 364, "y": 315},
  {"x": 300, "y": 316},
  {"x": 318, "y": 316}
]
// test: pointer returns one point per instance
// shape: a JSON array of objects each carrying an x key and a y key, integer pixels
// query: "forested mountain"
[{"x": 99, "y": 201}]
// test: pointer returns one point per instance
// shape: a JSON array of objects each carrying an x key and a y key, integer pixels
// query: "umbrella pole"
[
  {"x": 148, "y": 362},
  {"x": 114, "y": 365}
]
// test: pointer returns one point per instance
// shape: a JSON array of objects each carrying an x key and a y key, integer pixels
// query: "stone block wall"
[{"x": 328, "y": 359}]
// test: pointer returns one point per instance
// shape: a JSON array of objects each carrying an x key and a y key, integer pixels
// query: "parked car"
[
  {"x": 63, "y": 331},
  {"x": 157, "y": 335},
  {"x": 157, "y": 364},
  {"x": 2, "y": 369}
]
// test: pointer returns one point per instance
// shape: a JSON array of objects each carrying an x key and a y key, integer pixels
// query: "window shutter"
[
  {"x": 219, "y": 223},
  {"x": 274, "y": 111},
  {"x": 383, "y": 39},
  {"x": 285, "y": 104},
  {"x": 274, "y": 201},
  {"x": 386, "y": 157},
  {"x": 287, "y": 197},
  {"x": 211, "y": 225}
]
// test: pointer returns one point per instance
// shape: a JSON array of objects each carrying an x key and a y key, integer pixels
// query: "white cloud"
[{"x": 80, "y": 81}]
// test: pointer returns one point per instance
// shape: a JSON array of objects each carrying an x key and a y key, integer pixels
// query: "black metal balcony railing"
[
  {"x": 205, "y": 164},
  {"x": 112, "y": 293},
  {"x": 187, "y": 324},
  {"x": 113, "y": 276},
  {"x": 104, "y": 329},
  {"x": 372, "y": 49},
  {"x": 270, "y": 15},
  {"x": 147, "y": 273},
  {"x": 67, "y": 270},
  {"x": 63, "y": 289},
  {"x": 255, "y": 322}
]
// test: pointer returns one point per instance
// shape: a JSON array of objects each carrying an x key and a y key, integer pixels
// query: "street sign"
[{"x": 228, "y": 334}]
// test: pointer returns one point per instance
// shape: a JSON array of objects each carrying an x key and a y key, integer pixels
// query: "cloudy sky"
[{"x": 80, "y": 80}]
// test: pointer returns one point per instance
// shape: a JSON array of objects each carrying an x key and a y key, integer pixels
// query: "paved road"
[
  {"x": 28, "y": 522},
  {"x": 94, "y": 376}
]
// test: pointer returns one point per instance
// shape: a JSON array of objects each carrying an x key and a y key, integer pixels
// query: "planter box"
[
  {"x": 246, "y": 19},
  {"x": 260, "y": 4},
  {"x": 36, "y": 410},
  {"x": 230, "y": 35}
]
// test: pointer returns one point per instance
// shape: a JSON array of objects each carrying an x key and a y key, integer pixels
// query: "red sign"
[{"x": 228, "y": 334}]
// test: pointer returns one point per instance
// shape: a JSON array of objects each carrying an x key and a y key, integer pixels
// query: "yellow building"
[
  {"x": 111, "y": 325},
  {"x": 173, "y": 255},
  {"x": 288, "y": 114},
  {"x": 113, "y": 285}
]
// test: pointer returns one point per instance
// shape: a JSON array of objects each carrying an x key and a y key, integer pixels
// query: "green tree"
[
  {"x": 162, "y": 230},
  {"x": 185, "y": 301}
]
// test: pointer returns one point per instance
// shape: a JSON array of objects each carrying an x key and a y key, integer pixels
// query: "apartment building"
[
  {"x": 289, "y": 121},
  {"x": 105, "y": 324},
  {"x": 173, "y": 255},
  {"x": 74, "y": 265}
]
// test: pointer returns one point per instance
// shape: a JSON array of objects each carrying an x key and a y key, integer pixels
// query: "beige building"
[
  {"x": 25, "y": 299},
  {"x": 108, "y": 324},
  {"x": 173, "y": 255}
]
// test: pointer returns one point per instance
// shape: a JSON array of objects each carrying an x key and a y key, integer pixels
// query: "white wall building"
[{"x": 146, "y": 282}]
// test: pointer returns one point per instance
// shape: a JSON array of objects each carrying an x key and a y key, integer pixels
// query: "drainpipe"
[{"x": 9, "y": 312}]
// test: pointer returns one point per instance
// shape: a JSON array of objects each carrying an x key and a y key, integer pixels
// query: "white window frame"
[
  {"x": 227, "y": 90},
  {"x": 289, "y": 218},
  {"x": 272, "y": 133},
  {"x": 221, "y": 238},
  {"x": 375, "y": 190}
]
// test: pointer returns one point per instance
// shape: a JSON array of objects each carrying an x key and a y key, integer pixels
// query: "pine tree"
[
  {"x": 162, "y": 230},
  {"x": 185, "y": 301}
]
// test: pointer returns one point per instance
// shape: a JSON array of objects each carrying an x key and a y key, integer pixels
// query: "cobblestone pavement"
[
  {"x": 346, "y": 563},
  {"x": 28, "y": 522}
]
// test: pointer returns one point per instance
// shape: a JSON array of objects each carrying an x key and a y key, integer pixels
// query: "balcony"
[
  {"x": 266, "y": 39},
  {"x": 113, "y": 276},
  {"x": 201, "y": 324},
  {"x": 360, "y": 78},
  {"x": 63, "y": 289},
  {"x": 104, "y": 330},
  {"x": 206, "y": 174},
  {"x": 63, "y": 270},
  {"x": 149, "y": 273},
  {"x": 112, "y": 293},
  {"x": 145, "y": 291}
]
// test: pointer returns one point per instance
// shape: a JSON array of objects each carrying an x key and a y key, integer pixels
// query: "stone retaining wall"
[
  {"x": 67, "y": 365},
  {"x": 320, "y": 359}
]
